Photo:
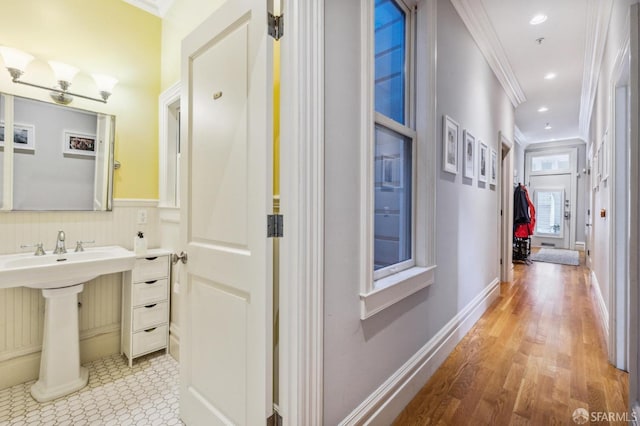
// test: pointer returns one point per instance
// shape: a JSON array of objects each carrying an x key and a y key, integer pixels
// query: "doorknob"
[{"x": 179, "y": 257}]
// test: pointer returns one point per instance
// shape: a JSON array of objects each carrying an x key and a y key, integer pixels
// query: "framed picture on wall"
[
  {"x": 493, "y": 168},
  {"x": 78, "y": 143},
  {"x": 483, "y": 162},
  {"x": 24, "y": 136},
  {"x": 469, "y": 155},
  {"x": 450, "y": 131}
]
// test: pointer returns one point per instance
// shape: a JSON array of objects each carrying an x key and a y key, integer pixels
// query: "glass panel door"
[{"x": 549, "y": 205}]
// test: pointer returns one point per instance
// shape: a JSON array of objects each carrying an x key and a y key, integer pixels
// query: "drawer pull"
[
  {"x": 151, "y": 282},
  {"x": 150, "y": 330},
  {"x": 150, "y": 306},
  {"x": 151, "y": 258}
]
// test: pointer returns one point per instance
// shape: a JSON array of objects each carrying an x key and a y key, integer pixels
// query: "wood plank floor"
[{"x": 537, "y": 355}]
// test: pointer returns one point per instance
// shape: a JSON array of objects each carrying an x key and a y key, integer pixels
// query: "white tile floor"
[{"x": 146, "y": 394}]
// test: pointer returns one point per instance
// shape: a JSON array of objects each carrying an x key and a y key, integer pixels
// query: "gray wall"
[
  {"x": 518, "y": 163},
  {"x": 45, "y": 179},
  {"x": 360, "y": 355}
]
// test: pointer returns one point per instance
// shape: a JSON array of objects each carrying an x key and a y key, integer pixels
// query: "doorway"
[
  {"x": 552, "y": 181},
  {"x": 552, "y": 198}
]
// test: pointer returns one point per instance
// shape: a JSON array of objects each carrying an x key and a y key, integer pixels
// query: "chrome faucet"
[{"x": 60, "y": 247}]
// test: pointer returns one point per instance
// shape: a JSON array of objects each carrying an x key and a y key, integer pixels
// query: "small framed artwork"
[
  {"x": 493, "y": 169},
  {"x": 483, "y": 162},
  {"x": 469, "y": 155},
  {"x": 77, "y": 143},
  {"x": 391, "y": 172},
  {"x": 450, "y": 130},
  {"x": 24, "y": 136}
]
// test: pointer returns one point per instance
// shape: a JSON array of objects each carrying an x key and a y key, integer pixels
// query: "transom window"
[{"x": 551, "y": 162}]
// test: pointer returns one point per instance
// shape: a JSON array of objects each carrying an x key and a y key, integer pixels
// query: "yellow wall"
[
  {"x": 276, "y": 118},
  {"x": 181, "y": 18},
  {"x": 97, "y": 36}
]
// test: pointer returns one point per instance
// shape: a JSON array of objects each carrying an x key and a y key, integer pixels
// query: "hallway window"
[
  {"x": 394, "y": 140},
  {"x": 398, "y": 151}
]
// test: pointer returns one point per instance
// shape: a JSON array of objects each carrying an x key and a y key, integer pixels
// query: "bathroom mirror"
[{"x": 62, "y": 157}]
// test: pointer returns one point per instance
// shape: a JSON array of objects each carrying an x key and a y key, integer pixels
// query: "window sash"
[
  {"x": 410, "y": 135},
  {"x": 404, "y": 129}
]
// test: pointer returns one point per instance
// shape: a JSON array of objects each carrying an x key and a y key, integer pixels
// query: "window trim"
[{"x": 377, "y": 295}]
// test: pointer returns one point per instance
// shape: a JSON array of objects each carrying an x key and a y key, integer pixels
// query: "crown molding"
[
  {"x": 598, "y": 17},
  {"x": 475, "y": 17},
  {"x": 155, "y": 7}
]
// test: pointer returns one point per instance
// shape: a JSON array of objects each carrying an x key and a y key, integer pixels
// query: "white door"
[
  {"x": 226, "y": 107},
  {"x": 551, "y": 195}
]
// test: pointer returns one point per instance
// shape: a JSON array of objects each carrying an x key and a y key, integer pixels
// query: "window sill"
[{"x": 394, "y": 288}]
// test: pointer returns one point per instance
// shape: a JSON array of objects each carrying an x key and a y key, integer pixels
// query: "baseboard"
[
  {"x": 24, "y": 368},
  {"x": 384, "y": 405},
  {"x": 603, "y": 312},
  {"x": 580, "y": 245}
]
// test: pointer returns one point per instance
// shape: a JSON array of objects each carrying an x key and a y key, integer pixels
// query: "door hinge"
[
  {"x": 274, "y": 226},
  {"x": 275, "y": 419},
  {"x": 276, "y": 26},
  {"x": 501, "y": 261},
  {"x": 500, "y": 212}
]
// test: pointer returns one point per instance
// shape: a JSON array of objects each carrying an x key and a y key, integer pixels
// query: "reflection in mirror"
[{"x": 62, "y": 157}]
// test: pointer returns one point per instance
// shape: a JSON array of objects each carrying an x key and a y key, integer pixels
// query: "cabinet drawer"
[
  {"x": 149, "y": 292},
  {"x": 150, "y": 268},
  {"x": 149, "y": 340},
  {"x": 149, "y": 315}
]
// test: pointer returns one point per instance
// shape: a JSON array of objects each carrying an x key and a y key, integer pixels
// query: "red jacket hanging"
[{"x": 524, "y": 230}]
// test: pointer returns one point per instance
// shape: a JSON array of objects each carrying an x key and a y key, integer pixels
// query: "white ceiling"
[
  {"x": 562, "y": 51},
  {"x": 574, "y": 40}
]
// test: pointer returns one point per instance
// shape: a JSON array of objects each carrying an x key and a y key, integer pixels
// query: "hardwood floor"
[{"x": 537, "y": 355}]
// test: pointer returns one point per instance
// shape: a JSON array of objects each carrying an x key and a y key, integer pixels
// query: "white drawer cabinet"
[{"x": 145, "y": 305}]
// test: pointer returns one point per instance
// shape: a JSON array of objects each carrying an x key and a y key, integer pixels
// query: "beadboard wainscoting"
[{"x": 22, "y": 309}]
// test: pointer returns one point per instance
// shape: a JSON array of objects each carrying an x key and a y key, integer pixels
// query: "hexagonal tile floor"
[{"x": 146, "y": 394}]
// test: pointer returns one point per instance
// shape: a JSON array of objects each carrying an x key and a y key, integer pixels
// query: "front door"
[
  {"x": 552, "y": 198},
  {"x": 226, "y": 108}
]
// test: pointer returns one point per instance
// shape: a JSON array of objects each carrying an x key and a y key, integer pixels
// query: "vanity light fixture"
[
  {"x": 543, "y": 109},
  {"x": 16, "y": 62},
  {"x": 550, "y": 76},
  {"x": 547, "y": 127}
]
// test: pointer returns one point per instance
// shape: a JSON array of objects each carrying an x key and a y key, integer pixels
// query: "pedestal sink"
[{"x": 61, "y": 277}]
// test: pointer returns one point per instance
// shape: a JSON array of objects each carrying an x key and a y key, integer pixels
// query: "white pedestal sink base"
[{"x": 60, "y": 370}]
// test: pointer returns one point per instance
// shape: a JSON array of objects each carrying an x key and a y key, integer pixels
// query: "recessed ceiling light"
[
  {"x": 538, "y": 19},
  {"x": 543, "y": 109},
  {"x": 550, "y": 76},
  {"x": 547, "y": 127}
]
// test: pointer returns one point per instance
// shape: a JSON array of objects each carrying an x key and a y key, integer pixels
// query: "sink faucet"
[{"x": 60, "y": 247}]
